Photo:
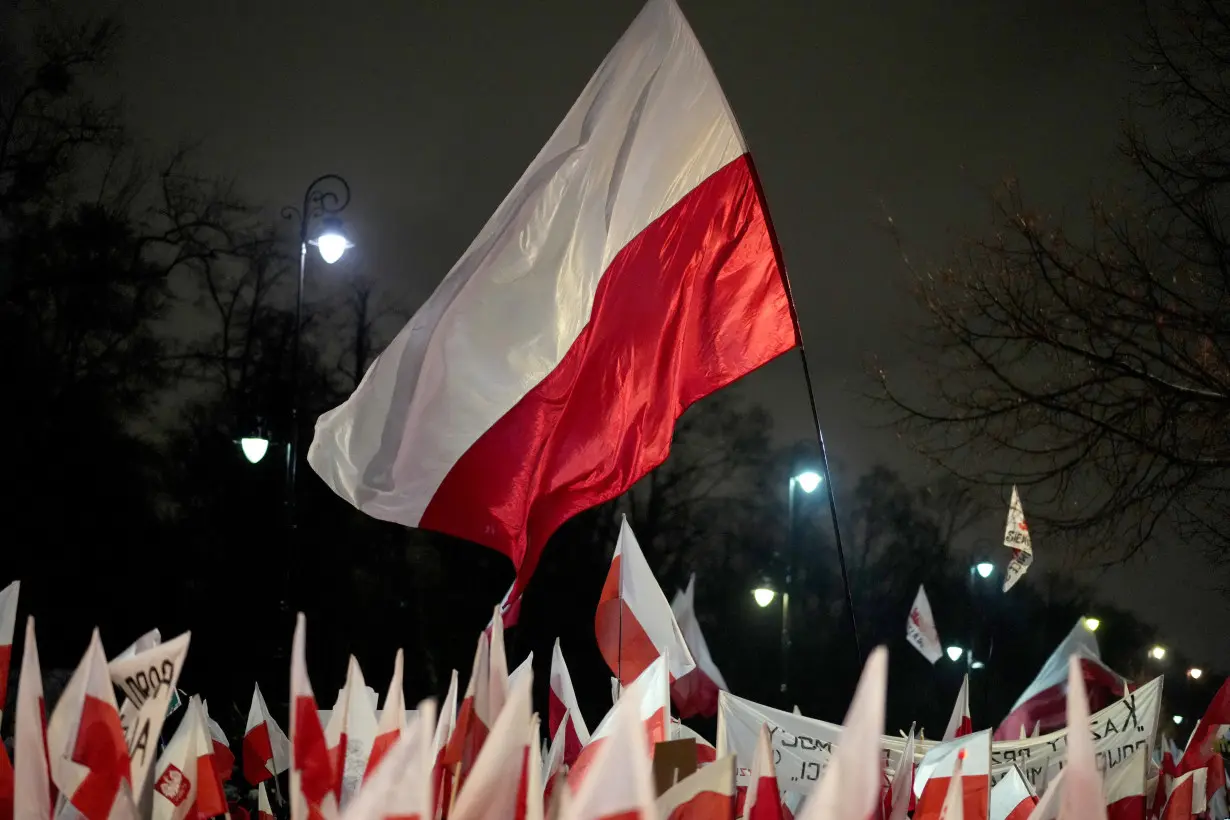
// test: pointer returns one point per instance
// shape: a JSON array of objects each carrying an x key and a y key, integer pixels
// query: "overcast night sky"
[{"x": 432, "y": 110}]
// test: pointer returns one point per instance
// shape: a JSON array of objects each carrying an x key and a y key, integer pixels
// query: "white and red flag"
[
  {"x": 524, "y": 668},
  {"x": 266, "y": 748},
  {"x": 474, "y": 718},
  {"x": 621, "y": 785},
  {"x": 901, "y": 789},
  {"x": 33, "y": 794},
  {"x": 497, "y": 669},
  {"x": 696, "y": 693},
  {"x": 850, "y": 786},
  {"x": 313, "y": 781},
  {"x": 1016, "y": 538},
  {"x": 563, "y": 710},
  {"x": 954, "y": 800},
  {"x": 400, "y": 785},
  {"x": 935, "y": 771},
  {"x": 349, "y": 732},
  {"x": 649, "y": 697},
  {"x": 497, "y": 779},
  {"x": 1043, "y": 703},
  {"x": 706, "y": 753},
  {"x": 392, "y": 718},
  {"x": 509, "y": 610},
  {"x": 186, "y": 783},
  {"x": 8, "y": 625},
  {"x": 1011, "y": 797},
  {"x": 959, "y": 723},
  {"x": 764, "y": 800},
  {"x": 442, "y": 773},
  {"x": 1186, "y": 798},
  {"x": 223, "y": 758},
  {"x": 920, "y": 629},
  {"x": 85, "y": 742},
  {"x": 706, "y": 794},
  {"x": 1202, "y": 745},
  {"x": 264, "y": 811},
  {"x": 634, "y": 623},
  {"x": 147, "y": 678},
  {"x": 630, "y": 272}
]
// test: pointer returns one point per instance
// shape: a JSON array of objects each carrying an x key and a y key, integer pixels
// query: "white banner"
[
  {"x": 147, "y": 680},
  {"x": 802, "y": 746},
  {"x": 920, "y": 629}
]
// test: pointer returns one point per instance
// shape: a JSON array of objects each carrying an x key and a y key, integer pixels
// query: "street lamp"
[
  {"x": 254, "y": 448},
  {"x": 1091, "y": 623},
  {"x": 763, "y": 596},
  {"x": 1178, "y": 719},
  {"x": 984, "y": 568},
  {"x": 1158, "y": 653},
  {"x": 1195, "y": 672},
  {"x": 807, "y": 481},
  {"x": 325, "y": 198},
  {"x": 954, "y": 653}
]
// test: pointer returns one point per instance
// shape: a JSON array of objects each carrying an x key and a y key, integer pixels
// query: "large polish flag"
[
  {"x": 266, "y": 748},
  {"x": 1043, "y": 703},
  {"x": 563, "y": 710},
  {"x": 934, "y": 774},
  {"x": 631, "y": 271},
  {"x": 634, "y": 624},
  {"x": 696, "y": 693}
]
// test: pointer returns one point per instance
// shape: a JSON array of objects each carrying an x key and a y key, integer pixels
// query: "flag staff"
[{"x": 815, "y": 415}]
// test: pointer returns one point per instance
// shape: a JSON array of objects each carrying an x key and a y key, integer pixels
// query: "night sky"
[{"x": 432, "y": 110}]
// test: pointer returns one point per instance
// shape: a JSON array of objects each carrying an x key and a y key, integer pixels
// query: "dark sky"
[{"x": 853, "y": 111}]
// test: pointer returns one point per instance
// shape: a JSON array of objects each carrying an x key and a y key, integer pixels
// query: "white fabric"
[
  {"x": 960, "y": 710},
  {"x": 393, "y": 715},
  {"x": 177, "y": 778},
  {"x": 497, "y": 667},
  {"x": 1199, "y": 779},
  {"x": 647, "y": 602},
  {"x": 561, "y": 685},
  {"x": 941, "y": 760},
  {"x": 902, "y": 787},
  {"x": 147, "y": 678},
  {"x": 32, "y": 782},
  {"x": 301, "y": 687},
  {"x": 353, "y": 718},
  {"x": 651, "y": 695},
  {"x": 920, "y": 629},
  {"x": 649, "y": 127},
  {"x": 526, "y": 666},
  {"x": 850, "y": 788},
  {"x": 1080, "y": 642},
  {"x": 1011, "y": 791},
  {"x": 448, "y": 717},
  {"x": 8, "y": 620},
  {"x": 1082, "y": 791},
  {"x": 683, "y": 607},
  {"x": 401, "y": 785},
  {"x": 762, "y": 767}
]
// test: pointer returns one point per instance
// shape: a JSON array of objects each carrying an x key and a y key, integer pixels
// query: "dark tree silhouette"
[{"x": 1094, "y": 367}]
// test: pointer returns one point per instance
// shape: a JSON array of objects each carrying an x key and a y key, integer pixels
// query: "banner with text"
[{"x": 147, "y": 680}]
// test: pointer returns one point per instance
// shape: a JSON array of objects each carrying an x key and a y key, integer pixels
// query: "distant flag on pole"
[
  {"x": 564, "y": 711},
  {"x": 920, "y": 629},
  {"x": 959, "y": 724},
  {"x": 266, "y": 748},
  {"x": 1016, "y": 537},
  {"x": 8, "y": 623},
  {"x": 696, "y": 693},
  {"x": 630, "y": 272},
  {"x": 33, "y": 796}
]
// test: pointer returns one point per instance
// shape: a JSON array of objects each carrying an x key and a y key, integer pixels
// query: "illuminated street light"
[
  {"x": 984, "y": 568},
  {"x": 763, "y": 596},
  {"x": 1092, "y": 623},
  {"x": 254, "y": 448},
  {"x": 1195, "y": 672},
  {"x": 1158, "y": 653},
  {"x": 954, "y": 653},
  {"x": 977, "y": 665},
  {"x": 331, "y": 242},
  {"x": 1178, "y": 719},
  {"x": 808, "y": 481}
]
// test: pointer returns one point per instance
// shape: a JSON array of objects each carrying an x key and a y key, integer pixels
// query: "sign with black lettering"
[{"x": 147, "y": 680}]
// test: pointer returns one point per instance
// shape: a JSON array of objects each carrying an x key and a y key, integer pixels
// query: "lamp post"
[
  {"x": 325, "y": 198},
  {"x": 807, "y": 481}
]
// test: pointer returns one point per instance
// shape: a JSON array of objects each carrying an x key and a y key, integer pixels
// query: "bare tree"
[{"x": 1094, "y": 369}]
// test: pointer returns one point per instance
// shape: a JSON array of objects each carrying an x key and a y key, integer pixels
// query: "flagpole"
[{"x": 815, "y": 414}]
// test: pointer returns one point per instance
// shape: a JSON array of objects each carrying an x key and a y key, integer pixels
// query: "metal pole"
[
  {"x": 292, "y": 449},
  {"x": 789, "y": 581}
]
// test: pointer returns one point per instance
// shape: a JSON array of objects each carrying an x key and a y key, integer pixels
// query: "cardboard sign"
[{"x": 673, "y": 760}]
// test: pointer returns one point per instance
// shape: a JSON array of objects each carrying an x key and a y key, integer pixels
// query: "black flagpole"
[{"x": 815, "y": 415}]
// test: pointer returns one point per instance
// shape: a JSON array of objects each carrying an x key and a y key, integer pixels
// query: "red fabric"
[
  {"x": 767, "y": 804},
  {"x": 1049, "y": 707},
  {"x": 6, "y": 785},
  {"x": 467, "y": 740},
  {"x": 238, "y": 812},
  {"x": 210, "y": 796},
  {"x": 705, "y": 806},
  {"x": 6, "y": 657},
  {"x": 695, "y": 694},
  {"x": 337, "y": 760},
  {"x": 557, "y": 712},
  {"x": 1127, "y": 808},
  {"x": 311, "y": 756},
  {"x": 694, "y": 302},
  {"x": 625, "y": 646},
  {"x": 705, "y": 754},
  {"x": 1179, "y": 805},
  {"x": 523, "y": 785},
  {"x": 1026, "y": 807},
  {"x": 380, "y": 747},
  {"x": 976, "y": 790},
  {"x": 965, "y": 727},
  {"x": 257, "y": 754},
  {"x": 1200, "y": 747},
  {"x": 223, "y": 760},
  {"x": 100, "y": 747}
]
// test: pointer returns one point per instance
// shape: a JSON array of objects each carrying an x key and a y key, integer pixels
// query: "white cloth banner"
[
  {"x": 802, "y": 746},
  {"x": 920, "y": 628}
]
